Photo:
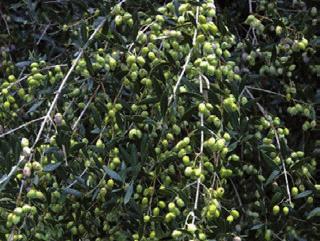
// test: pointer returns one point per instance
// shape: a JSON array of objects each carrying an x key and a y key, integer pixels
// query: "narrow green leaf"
[
  {"x": 112, "y": 174},
  {"x": 303, "y": 194},
  {"x": 314, "y": 213},
  {"x": 128, "y": 194},
  {"x": 272, "y": 176},
  {"x": 51, "y": 167},
  {"x": 73, "y": 192}
]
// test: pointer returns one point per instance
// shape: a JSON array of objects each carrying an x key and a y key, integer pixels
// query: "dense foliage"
[{"x": 160, "y": 120}]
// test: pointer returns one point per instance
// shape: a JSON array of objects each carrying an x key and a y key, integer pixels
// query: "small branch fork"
[
  {"x": 174, "y": 95},
  {"x": 85, "y": 109},
  {"x": 201, "y": 79},
  {"x": 75, "y": 62},
  {"x": 262, "y": 110},
  {"x": 199, "y": 155},
  {"x": 250, "y": 6},
  {"x": 21, "y": 126},
  {"x": 52, "y": 106}
]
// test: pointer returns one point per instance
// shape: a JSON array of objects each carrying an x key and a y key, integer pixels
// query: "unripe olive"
[
  {"x": 294, "y": 191},
  {"x": 212, "y": 28},
  {"x": 24, "y": 142},
  {"x": 146, "y": 218},
  {"x": 267, "y": 235},
  {"x": 110, "y": 183},
  {"x": 186, "y": 160},
  {"x": 176, "y": 234},
  {"x": 18, "y": 211},
  {"x": 314, "y": 11},
  {"x": 230, "y": 219},
  {"x": 219, "y": 144},
  {"x": 5, "y": 91},
  {"x": 145, "y": 201},
  {"x": 26, "y": 208},
  {"x": 285, "y": 210},
  {"x": 276, "y": 209},
  {"x": 180, "y": 202},
  {"x": 310, "y": 200},
  {"x": 118, "y": 20},
  {"x": 27, "y": 171},
  {"x": 12, "y": 78},
  {"x": 171, "y": 206},
  {"x": 191, "y": 227},
  {"x": 188, "y": 171},
  {"x": 220, "y": 191},
  {"x": 156, "y": 211},
  {"x": 169, "y": 217},
  {"x": 74, "y": 230},
  {"x": 236, "y": 238},
  {"x": 161, "y": 204},
  {"x": 151, "y": 56},
  {"x": 202, "y": 236},
  {"x": 6, "y": 105},
  {"x": 235, "y": 213},
  {"x": 15, "y": 219},
  {"x": 278, "y": 30}
]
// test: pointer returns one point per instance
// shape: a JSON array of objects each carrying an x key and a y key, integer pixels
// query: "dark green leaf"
[
  {"x": 303, "y": 194},
  {"x": 51, "y": 167},
  {"x": 112, "y": 174},
  {"x": 272, "y": 177},
  {"x": 73, "y": 192},
  {"x": 314, "y": 213},
  {"x": 128, "y": 194}
]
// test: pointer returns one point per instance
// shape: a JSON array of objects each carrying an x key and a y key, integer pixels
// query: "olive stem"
[
  {"x": 85, "y": 109},
  {"x": 174, "y": 95},
  {"x": 55, "y": 100},
  {"x": 262, "y": 110},
  {"x": 21, "y": 126}
]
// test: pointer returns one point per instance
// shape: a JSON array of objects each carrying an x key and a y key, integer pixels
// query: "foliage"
[{"x": 150, "y": 120}]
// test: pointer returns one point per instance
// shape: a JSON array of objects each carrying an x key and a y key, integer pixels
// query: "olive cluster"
[{"x": 171, "y": 126}]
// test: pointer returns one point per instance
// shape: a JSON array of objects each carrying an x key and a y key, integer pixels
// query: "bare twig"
[
  {"x": 85, "y": 109},
  {"x": 4, "y": 180},
  {"x": 5, "y": 22},
  {"x": 201, "y": 151},
  {"x": 75, "y": 181},
  {"x": 43, "y": 33},
  {"x": 187, "y": 60},
  {"x": 237, "y": 195},
  {"x": 250, "y": 6},
  {"x": 275, "y": 93},
  {"x": 173, "y": 96},
  {"x": 139, "y": 33},
  {"x": 54, "y": 102},
  {"x": 20, "y": 79},
  {"x": 21, "y": 126},
  {"x": 262, "y": 110}
]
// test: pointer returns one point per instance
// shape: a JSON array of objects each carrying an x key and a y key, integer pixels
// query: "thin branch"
[
  {"x": 75, "y": 181},
  {"x": 250, "y": 6},
  {"x": 275, "y": 93},
  {"x": 262, "y": 110},
  {"x": 21, "y": 126},
  {"x": 237, "y": 195},
  {"x": 43, "y": 33},
  {"x": 25, "y": 77},
  {"x": 201, "y": 151},
  {"x": 4, "y": 180},
  {"x": 54, "y": 102},
  {"x": 5, "y": 22},
  {"x": 85, "y": 109},
  {"x": 173, "y": 96}
]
